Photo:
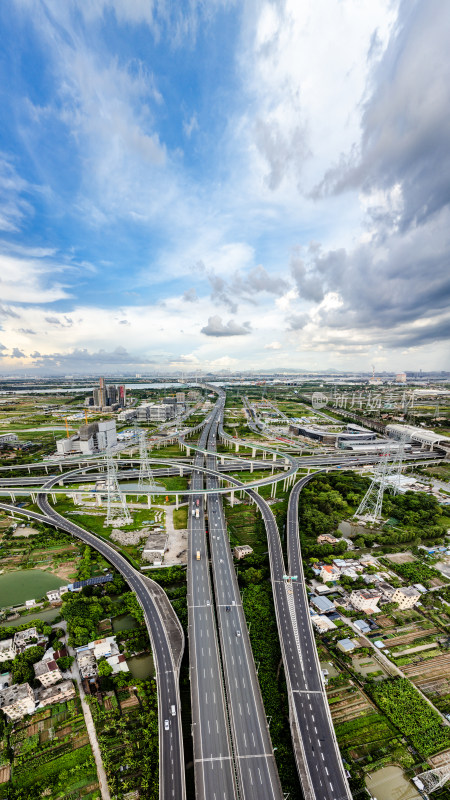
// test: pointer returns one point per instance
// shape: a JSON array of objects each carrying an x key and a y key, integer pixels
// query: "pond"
[
  {"x": 48, "y": 615},
  {"x": 389, "y": 783},
  {"x": 26, "y": 584},
  {"x": 141, "y": 667},
  {"x": 124, "y": 622}
]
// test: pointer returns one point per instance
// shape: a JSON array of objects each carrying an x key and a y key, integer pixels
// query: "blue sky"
[{"x": 223, "y": 185}]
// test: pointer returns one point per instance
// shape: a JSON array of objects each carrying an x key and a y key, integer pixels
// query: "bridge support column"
[
  {"x": 236, "y": 447},
  {"x": 273, "y": 490},
  {"x": 53, "y": 498},
  {"x": 149, "y": 501},
  {"x": 60, "y": 467},
  {"x": 13, "y": 498},
  {"x": 252, "y": 465},
  {"x": 274, "y": 457},
  {"x": 181, "y": 472},
  {"x": 46, "y": 469},
  {"x": 253, "y": 452},
  {"x": 60, "y": 483},
  {"x": 222, "y": 460},
  {"x": 204, "y": 499},
  {"x": 232, "y": 499},
  {"x": 176, "y": 501},
  {"x": 188, "y": 451}
]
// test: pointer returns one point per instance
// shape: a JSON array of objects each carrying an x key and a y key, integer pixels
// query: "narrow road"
[{"x": 92, "y": 733}]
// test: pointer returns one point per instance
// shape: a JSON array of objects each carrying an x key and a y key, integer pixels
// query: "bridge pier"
[
  {"x": 274, "y": 457},
  {"x": 176, "y": 502},
  {"x": 53, "y": 496},
  {"x": 253, "y": 452},
  {"x": 181, "y": 472},
  {"x": 252, "y": 465},
  {"x": 236, "y": 447},
  {"x": 149, "y": 501},
  {"x": 232, "y": 499},
  {"x": 273, "y": 490},
  {"x": 46, "y": 469}
]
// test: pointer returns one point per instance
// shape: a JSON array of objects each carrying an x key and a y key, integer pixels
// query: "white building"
[
  {"x": 47, "y": 672},
  {"x": 59, "y": 693},
  {"x": 17, "y": 700},
  {"x": 9, "y": 438},
  {"x": 365, "y": 600},
  {"x": 406, "y": 597},
  {"x": 93, "y": 438},
  {"x": 7, "y": 650}
]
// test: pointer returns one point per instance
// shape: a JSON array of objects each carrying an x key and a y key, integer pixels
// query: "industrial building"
[
  {"x": 426, "y": 438},
  {"x": 95, "y": 437},
  {"x": 352, "y": 434}
]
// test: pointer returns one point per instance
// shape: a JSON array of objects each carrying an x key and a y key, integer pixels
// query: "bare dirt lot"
[{"x": 401, "y": 558}]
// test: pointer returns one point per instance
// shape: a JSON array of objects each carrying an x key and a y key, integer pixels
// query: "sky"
[{"x": 220, "y": 185}]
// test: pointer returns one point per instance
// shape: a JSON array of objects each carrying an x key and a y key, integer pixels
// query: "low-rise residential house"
[
  {"x": 28, "y": 638},
  {"x": 17, "y": 700},
  {"x": 47, "y": 672},
  {"x": 118, "y": 663},
  {"x": 420, "y": 588},
  {"x": 362, "y": 625},
  {"x": 322, "y": 623},
  {"x": 326, "y": 538},
  {"x": 88, "y": 656},
  {"x": 322, "y": 604},
  {"x": 86, "y": 663},
  {"x": 7, "y": 650},
  {"x": 329, "y": 573},
  {"x": 242, "y": 550},
  {"x": 54, "y": 597},
  {"x": 103, "y": 648},
  {"x": 346, "y": 645},
  {"x": 365, "y": 600},
  {"x": 59, "y": 693},
  {"x": 406, "y": 597}
]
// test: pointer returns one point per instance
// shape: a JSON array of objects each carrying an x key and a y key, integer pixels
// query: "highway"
[
  {"x": 317, "y": 755},
  {"x": 213, "y": 763},
  {"x": 171, "y": 757},
  {"x": 327, "y": 779},
  {"x": 252, "y": 747}
]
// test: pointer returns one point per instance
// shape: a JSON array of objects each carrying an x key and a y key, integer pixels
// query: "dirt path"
[{"x": 101, "y": 774}]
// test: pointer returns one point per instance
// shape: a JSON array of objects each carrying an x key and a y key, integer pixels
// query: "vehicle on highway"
[
  {"x": 198, "y": 555},
  {"x": 197, "y": 513},
  {"x": 173, "y": 710},
  {"x": 227, "y": 608},
  {"x": 238, "y": 633},
  {"x": 197, "y": 502},
  {"x": 166, "y": 724}
]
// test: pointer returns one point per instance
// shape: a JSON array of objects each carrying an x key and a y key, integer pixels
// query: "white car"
[{"x": 166, "y": 724}]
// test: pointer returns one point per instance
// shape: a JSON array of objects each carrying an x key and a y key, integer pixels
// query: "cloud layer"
[{"x": 157, "y": 171}]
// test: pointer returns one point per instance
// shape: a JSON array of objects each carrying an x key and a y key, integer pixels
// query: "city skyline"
[{"x": 224, "y": 186}]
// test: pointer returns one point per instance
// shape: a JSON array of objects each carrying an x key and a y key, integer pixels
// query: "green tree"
[{"x": 104, "y": 669}]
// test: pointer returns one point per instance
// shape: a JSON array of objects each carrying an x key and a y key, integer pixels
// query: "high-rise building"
[{"x": 122, "y": 396}]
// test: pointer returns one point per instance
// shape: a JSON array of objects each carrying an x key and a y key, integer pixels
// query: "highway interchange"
[{"x": 233, "y": 753}]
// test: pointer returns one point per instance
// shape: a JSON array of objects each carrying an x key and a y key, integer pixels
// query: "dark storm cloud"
[
  {"x": 397, "y": 283},
  {"x": 216, "y": 327}
]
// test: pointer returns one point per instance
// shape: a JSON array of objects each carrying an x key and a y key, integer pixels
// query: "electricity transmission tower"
[
  {"x": 436, "y": 778},
  {"x": 118, "y": 513},
  {"x": 146, "y": 479},
  {"x": 387, "y": 475}
]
